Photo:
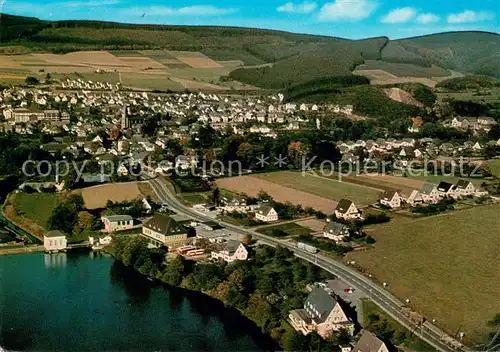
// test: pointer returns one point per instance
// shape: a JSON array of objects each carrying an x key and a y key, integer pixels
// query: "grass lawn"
[
  {"x": 291, "y": 228},
  {"x": 412, "y": 342},
  {"x": 494, "y": 166},
  {"x": 196, "y": 198},
  {"x": 323, "y": 187},
  {"x": 447, "y": 265},
  {"x": 36, "y": 206}
]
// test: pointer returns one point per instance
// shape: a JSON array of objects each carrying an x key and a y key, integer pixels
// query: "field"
[
  {"x": 314, "y": 225},
  {"x": 31, "y": 212},
  {"x": 488, "y": 95},
  {"x": 447, "y": 265},
  {"x": 323, "y": 187},
  {"x": 97, "y": 196},
  {"x": 251, "y": 186},
  {"x": 494, "y": 166},
  {"x": 292, "y": 229},
  {"x": 148, "y": 69}
]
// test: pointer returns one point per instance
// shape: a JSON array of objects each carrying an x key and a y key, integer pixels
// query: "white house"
[
  {"x": 336, "y": 231},
  {"x": 117, "y": 222},
  {"x": 54, "y": 241},
  {"x": 100, "y": 241},
  {"x": 464, "y": 188},
  {"x": 321, "y": 313},
  {"x": 446, "y": 189},
  {"x": 415, "y": 198},
  {"x": 369, "y": 343},
  {"x": 429, "y": 193},
  {"x": 266, "y": 213},
  {"x": 347, "y": 210},
  {"x": 233, "y": 250},
  {"x": 391, "y": 199}
]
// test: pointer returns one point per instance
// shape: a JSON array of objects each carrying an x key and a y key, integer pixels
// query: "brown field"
[
  {"x": 141, "y": 63},
  {"x": 252, "y": 186},
  {"x": 232, "y": 63},
  {"x": 380, "y": 77},
  {"x": 199, "y": 62},
  {"x": 447, "y": 265},
  {"x": 97, "y": 196},
  {"x": 314, "y": 224},
  {"x": 6, "y": 61},
  {"x": 11, "y": 77}
]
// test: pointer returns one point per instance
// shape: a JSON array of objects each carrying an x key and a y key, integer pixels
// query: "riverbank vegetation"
[{"x": 263, "y": 289}]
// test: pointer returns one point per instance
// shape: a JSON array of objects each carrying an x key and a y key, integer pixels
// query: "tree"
[
  {"x": 85, "y": 221},
  {"x": 216, "y": 196},
  {"x": 30, "y": 80}
]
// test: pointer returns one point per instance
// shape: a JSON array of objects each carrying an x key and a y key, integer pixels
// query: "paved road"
[{"x": 386, "y": 301}]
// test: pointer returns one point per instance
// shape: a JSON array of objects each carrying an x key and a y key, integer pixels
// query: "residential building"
[
  {"x": 161, "y": 230},
  {"x": 446, "y": 189},
  {"x": 415, "y": 198},
  {"x": 233, "y": 250},
  {"x": 54, "y": 241},
  {"x": 266, "y": 213},
  {"x": 347, "y": 210},
  {"x": 117, "y": 222},
  {"x": 429, "y": 193},
  {"x": 391, "y": 199},
  {"x": 321, "y": 313},
  {"x": 369, "y": 343},
  {"x": 336, "y": 231},
  {"x": 231, "y": 204},
  {"x": 464, "y": 188},
  {"x": 100, "y": 241}
]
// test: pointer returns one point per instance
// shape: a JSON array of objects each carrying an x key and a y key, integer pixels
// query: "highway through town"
[{"x": 379, "y": 295}]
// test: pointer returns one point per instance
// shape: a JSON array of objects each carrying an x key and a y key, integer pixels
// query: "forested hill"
[{"x": 293, "y": 58}]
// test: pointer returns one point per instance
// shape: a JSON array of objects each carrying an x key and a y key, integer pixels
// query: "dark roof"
[
  {"x": 164, "y": 224},
  {"x": 264, "y": 209},
  {"x": 343, "y": 206},
  {"x": 231, "y": 246},
  {"x": 54, "y": 233},
  {"x": 334, "y": 227},
  {"x": 319, "y": 301},
  {"x": 368, "y": 343},
  {"x": 427, "y": 188},
  {"x": 388, "y": 195},
  {"x": 444, "y": 186},
  {"x": 462, "y": 184}
]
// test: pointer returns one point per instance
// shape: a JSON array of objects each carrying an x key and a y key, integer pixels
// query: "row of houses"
[{"x": 431, "y": 194}]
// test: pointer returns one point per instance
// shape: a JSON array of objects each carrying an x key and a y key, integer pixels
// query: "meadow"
[
  {"x": 323, "y": 187},
  {"x": 446, "y": 265}
]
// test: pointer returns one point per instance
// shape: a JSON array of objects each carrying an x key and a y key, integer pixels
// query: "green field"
[
  {"x": 488, "y": 95},
  {"x": 196, "y": 198},
  {"x": 291, "y": 228},
  {"x": 447, "y": 265},
  {"x": 323, "y": 187},
  {"x": 494, "y": 166},
  {"x": 36, "y": 206}
]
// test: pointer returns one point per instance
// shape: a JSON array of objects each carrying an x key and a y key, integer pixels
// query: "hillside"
[{"x": 290, "y": 58}]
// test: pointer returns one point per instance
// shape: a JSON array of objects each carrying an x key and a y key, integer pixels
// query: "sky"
[{"x": 354, "y": 19}]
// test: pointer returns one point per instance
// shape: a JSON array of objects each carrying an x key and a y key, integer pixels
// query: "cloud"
[
  {"x": 196, "y": 10},
  {"x": 346, "y": 10},
  {"x": 304, "y": 7},
  {"x": 426, "y": 18},
  {"x": 401, "y": 15},
  {"x": 469, "y": 16}
]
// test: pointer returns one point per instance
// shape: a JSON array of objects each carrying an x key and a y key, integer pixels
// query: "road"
[{"x": 386, "y": 301}]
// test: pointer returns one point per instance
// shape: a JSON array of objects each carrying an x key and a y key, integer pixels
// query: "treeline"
[
  {"x": 325, "y": 85},
  {"x": 468, "y": 82},
  {"x": 263, "y": 289}
]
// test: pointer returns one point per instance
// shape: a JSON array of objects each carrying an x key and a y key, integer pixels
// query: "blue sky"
[{"x": 343, "y": 18}]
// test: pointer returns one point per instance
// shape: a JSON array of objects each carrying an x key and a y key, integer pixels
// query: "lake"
[{"x": 88, "y": 301}]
